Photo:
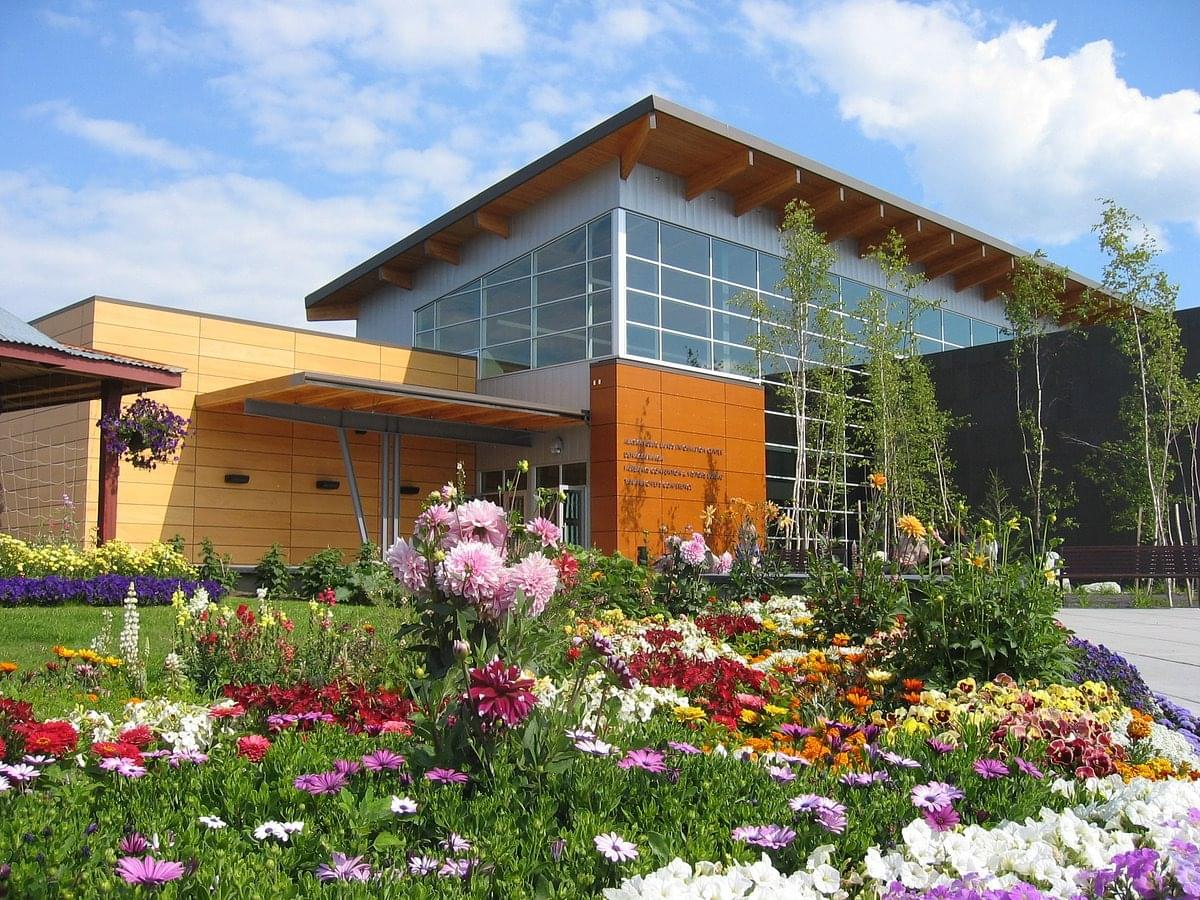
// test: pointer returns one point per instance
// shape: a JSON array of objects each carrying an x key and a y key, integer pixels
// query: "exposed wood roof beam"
[
  {"x": 766, "y": 191},
  {"x": 439, "y": 248},
  {"x": 492, "y": 222},
  {"x": 854, "y": 222},
  {"x": 717, "y": 174},
  {"x": 930, "y": 244},
  {"x": 992, "y": 267},
  {"x": 401, "y": 278},
  {"x": 632, "y": 150},
  {"x": 996, "y": 287},
  {"x": 829, "y": 199},
  {"x": 953, "y": 260},
  {"x": 908, "y": 230}
]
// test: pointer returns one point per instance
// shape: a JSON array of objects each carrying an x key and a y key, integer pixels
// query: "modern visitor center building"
[{"x": 586, "y": 314}]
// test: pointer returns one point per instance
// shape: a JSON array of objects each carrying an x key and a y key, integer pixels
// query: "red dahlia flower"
[
  {"x": 253, "y": 747},
  {"x": 140, "y": 736},
  {"x": 52, "y": 738},
  {"x": 500, "y": 694},
  {"x": 117, "y": 750}
]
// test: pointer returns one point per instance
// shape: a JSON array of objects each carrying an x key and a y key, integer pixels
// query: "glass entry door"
[{"x": 571, "y": 513}]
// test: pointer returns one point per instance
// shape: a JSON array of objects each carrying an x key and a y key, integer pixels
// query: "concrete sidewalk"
[{"x": 1163, "y": 643}]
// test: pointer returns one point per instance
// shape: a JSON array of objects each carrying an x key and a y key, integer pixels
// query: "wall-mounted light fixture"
[
  {"x": 409, "y": 489},
  {"x": 557, "y": 447},
  {"x": 328, "y": 484},
  {"x": 237, "y": 478}
]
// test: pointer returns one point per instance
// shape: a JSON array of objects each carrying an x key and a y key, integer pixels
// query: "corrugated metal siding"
[
  {"x": 387, "y": 314},
  {"x": 567, "y": 386}
]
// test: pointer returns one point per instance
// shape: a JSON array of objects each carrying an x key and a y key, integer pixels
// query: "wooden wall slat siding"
[
  {"x": 284, "y": 460},
  {"x": 630, "y": 401}
]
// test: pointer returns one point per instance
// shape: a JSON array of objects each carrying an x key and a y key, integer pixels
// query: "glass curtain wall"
[
  {"x": 548, "y": 307},
  {"x": 687, "y": 304}
]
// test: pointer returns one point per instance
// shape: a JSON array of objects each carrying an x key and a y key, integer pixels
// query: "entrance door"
[{"x": 572, "y": 515}]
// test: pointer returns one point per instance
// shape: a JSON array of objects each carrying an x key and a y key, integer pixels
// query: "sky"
[{"x": 234, "y": 155}]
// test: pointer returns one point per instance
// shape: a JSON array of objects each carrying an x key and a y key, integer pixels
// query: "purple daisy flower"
[
  {"x": 21, "y": 772},
  {"x": 651, "y": 761},
  {"x": 346, "y": 767},
  {"x": 422, "y": 865},
  {"x": 321, "y": 783},
  {"x": 934, "y": 795},
  {"x": 148, "y": 871},
  {"x": 455, "y": 843},
  {"x": 195, "y": 757},
  {"x": 829, "y": 814},
  {"x": 769, "y": 837},
  {"x": 941, "y": 818},
  {"x": 132, "y": 843},
  {"x": 895, "y": 759},
  {"x": 447, "y": 776},
  {"x": 382, "y": 760},
  {"x": 782, "y": 774},
  {"x": 940, "y": 747},
  {"x": 595, "y": 747},
  {"x": 456, "y": 868},
  {"x": 794, "y": 731},
  {"x": 580, "y": 734},
  {"x": 344, "y": 868},
  {"x": 990, "y": 768},
  {"x": 615, "y": 848},
  {"x": 684, "y": 747},
  {"x": 1027, "y": 768},
  {"x": 37, "y": 759}
]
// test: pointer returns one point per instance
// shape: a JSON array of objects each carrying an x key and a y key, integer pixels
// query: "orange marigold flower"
[
  {"x": 6, "y": 667},
  {"x": 877, "y": 480}
]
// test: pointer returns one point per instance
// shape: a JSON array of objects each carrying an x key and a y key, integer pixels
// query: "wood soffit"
[{"x": 707, "y": 156}]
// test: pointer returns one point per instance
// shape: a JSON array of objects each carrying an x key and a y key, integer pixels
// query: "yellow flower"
[
  {"x": 688, "y": 713},
  {"x": 769, "y": 625},
  {"x": 979, "y": 561},
  {"x": 878, "y": 480},
  {"x": 774, "y": 710},
  {"x": 879, "y": 676},
  {"x": 749, "y": 716},
  {"x": 911, "y": 526},
  {"x": 597, "y": 575}
]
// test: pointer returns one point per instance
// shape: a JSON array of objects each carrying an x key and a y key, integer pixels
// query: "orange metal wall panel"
[{"x": 665, "y": 445}]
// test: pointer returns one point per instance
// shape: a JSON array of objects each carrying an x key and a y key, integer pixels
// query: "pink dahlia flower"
[
  {"x": 544, "y": 530},
  {"x": 694, "y": 551},
  {"x": 474, "y": 572},
  {"x": 501, "y": 694},
  {"x": 410, "y": 567},
  {"x": 537, "y": 577},
  {"x": 478, "y": 520},
  {"x": 433, "y": 519}
]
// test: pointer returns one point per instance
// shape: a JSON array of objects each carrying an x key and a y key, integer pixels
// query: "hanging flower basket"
[{"x": 145, "y": 433}]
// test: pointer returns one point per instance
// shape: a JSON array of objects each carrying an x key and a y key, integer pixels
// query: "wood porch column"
[{"x": 110, "y": 466}]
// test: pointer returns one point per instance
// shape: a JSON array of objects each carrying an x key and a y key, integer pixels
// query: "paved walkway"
[{"x": 1163, "y": 643}]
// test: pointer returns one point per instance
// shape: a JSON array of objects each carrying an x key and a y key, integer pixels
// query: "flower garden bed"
[
  {"x": 101, "y": 590},
  {"x": 526, "y": 737}
]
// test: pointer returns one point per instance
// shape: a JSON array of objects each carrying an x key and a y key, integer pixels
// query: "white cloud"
[
  {"x": 226, "y": 244},
  {"x": 121, "y": 138},
  {"x": 995, "y": 127}
]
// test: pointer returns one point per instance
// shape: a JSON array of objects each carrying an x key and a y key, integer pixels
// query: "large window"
[
  {"x": 550, "y": 306},
  {"x": 687, "y": 301}
]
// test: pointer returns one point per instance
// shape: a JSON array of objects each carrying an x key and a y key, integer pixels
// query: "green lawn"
[{"x": 27, "y": 634}]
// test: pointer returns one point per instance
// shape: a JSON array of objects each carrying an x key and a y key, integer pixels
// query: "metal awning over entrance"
[
  {"x": 392, "y": 409},
  {"x": 365, "y": 405}
]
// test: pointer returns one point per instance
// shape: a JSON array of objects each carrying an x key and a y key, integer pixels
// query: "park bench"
[{"x": 1126, "y": 563}]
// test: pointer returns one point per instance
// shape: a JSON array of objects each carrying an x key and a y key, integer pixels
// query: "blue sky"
[{"x": 233, "y": 155}]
